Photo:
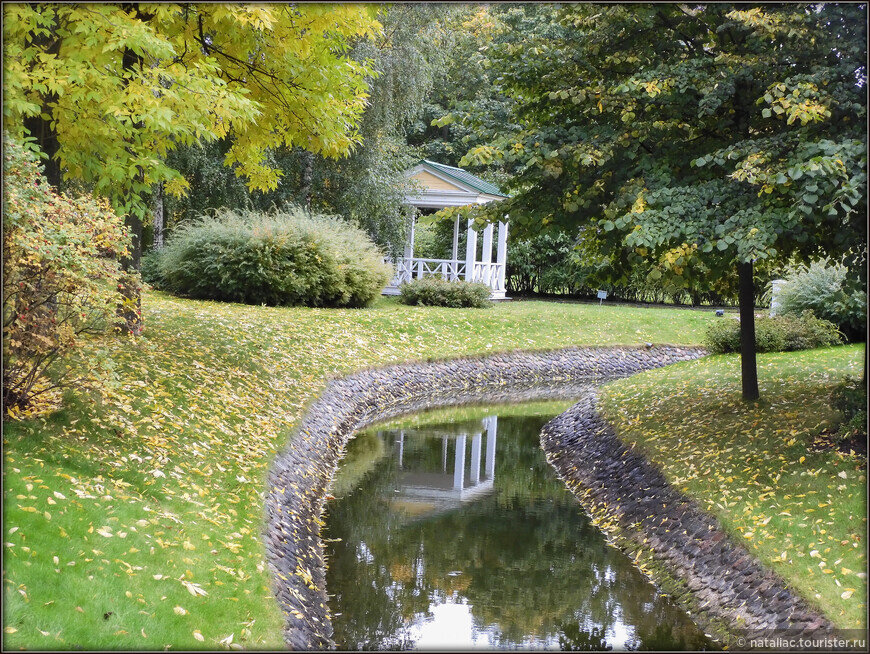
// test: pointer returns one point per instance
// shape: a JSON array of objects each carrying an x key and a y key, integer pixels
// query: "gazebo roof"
[
  {"x": 448, "y": 186},
  {"x": 466, "y": 178}
]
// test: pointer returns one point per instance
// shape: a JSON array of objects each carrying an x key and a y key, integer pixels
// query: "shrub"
[
  {"x": 776, "y": 334},
  {"x": 806, "y": 332},
  {"x": 281, "y": 258},
  {"x": 438, "y": 292},
  {"x": 149, "y": 268},
  {"x": 822, "y": 288},
  {"x": 61, "y": 280}
]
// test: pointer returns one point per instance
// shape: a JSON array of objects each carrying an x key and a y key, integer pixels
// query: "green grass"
[
  {"x": 802, "y": 513},
  {"x": 160, "y": 482}
]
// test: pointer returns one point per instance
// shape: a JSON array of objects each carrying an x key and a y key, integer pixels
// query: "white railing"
[
  {"x": 491, "y": 274},
  {"x": 408, "y": 269}
]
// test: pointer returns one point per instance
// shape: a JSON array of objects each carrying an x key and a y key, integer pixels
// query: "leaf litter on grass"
[
  {"x": 151, "y": 499},
  {"x": 751, "y": 464}
]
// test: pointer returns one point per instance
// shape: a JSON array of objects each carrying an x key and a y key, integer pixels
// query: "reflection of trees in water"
[
  {"x": 665, "y": 637},
  {"x": 532, "y": 564},
  {"x": 574, "y": 639}
]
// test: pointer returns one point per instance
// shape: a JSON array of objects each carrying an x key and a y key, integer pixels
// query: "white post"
[
  {"x": 401, "y": 447},
  {"x": 459, "y": 463},
  {"x": 455, "y": 275},
  {"x": 470, "y": 252},
  {"x": 475, "y": 459},
  {"x": 486, "y": 257},
  {"x": 501, "y": 252},
  {"x": 409, "y": 245}
]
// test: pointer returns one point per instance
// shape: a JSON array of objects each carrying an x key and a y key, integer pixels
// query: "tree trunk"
[
  {"x": 864, "y": 374},
  {"x": 39, "y": 127},
  {"x": 307, "y": 177},
  {"x": 746, "y": 286},
  {"x": 130, "y": 310},
  {"x": 158, "y": 216},
  {"x": 46, "y": 139},
  {"x": 746, "y": 298}
]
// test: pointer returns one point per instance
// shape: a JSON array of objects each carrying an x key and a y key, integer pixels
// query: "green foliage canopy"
[
  {"x": 682, "y": 133},
  {"x": 120, "y": 86},
  {"x": 367, "y": 186}
]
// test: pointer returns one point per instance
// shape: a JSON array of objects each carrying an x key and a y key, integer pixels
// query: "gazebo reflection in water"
[{"x": 467, "y": 468}]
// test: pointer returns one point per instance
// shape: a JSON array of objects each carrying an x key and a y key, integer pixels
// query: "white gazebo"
[{"x": 447, "y": 186}]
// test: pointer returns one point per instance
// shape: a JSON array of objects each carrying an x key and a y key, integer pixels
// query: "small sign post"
[{"x": 602, "y": 295}]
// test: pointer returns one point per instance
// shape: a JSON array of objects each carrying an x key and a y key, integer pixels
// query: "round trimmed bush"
[
  {"x": 438, "y": 292},
  {"x": 280, "y": 258}
]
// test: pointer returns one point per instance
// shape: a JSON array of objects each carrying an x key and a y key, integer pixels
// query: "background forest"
[
  {"x": 648, "y": 150},
  {"x": 500, "y": 91}
]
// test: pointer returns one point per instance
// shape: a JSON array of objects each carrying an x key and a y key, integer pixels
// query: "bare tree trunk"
[
  {"x": 746, "y": 299},
  {"x": 745, "y": 284},
  {"x": 158, "y": 216},
  {"x": 130, "y": 310},
  {"x": 307, "y": 177},
  {"x": 39, "y": 126},
  {"x": 864, "y": 373}
]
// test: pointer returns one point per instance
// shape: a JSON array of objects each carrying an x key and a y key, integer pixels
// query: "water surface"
[{"x": 451, "y": 531}]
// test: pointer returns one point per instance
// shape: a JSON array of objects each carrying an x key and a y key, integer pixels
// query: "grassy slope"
[
  {"x": 802, "y": 513},
  {"x": 135, "y": 524}
]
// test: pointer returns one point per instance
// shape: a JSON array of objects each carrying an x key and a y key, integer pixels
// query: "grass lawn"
[
  {"x": 134, "y": 523},
  {"x": 802, "y": 513}
]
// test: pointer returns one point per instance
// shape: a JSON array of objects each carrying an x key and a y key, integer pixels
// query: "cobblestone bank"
[
  {"x": 300, "y": 477},
  {"x": 680, "y": 546}
]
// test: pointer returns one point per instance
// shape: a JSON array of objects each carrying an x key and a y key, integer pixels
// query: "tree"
[
  {"x": 367, "y": 186},
  {"x": 686, "y": 134},
  {"x": 106, "y": 91},
  {"x": 466, "y": 107}
]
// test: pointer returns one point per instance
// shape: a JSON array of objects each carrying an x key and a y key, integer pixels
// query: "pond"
[{"x": 451, "y": 531}]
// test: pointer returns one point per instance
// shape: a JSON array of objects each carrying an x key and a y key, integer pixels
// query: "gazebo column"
[
  {"x": 455, "y": 274},
  {"x": 444, "y": 454},
  {"x": 409, "y": 244},
  {"x": 470, "y": 251},
  {"x": 486, "y": 257},
  {"x": 501, "y": 252}
]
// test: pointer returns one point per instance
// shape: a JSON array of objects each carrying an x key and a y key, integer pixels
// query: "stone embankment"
[
  {"x": 301, "y": 475},
  {"x": 680, "y": 546}
]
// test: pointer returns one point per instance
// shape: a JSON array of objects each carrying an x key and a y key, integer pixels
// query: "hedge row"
[{"x": 777, "y": 334}]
